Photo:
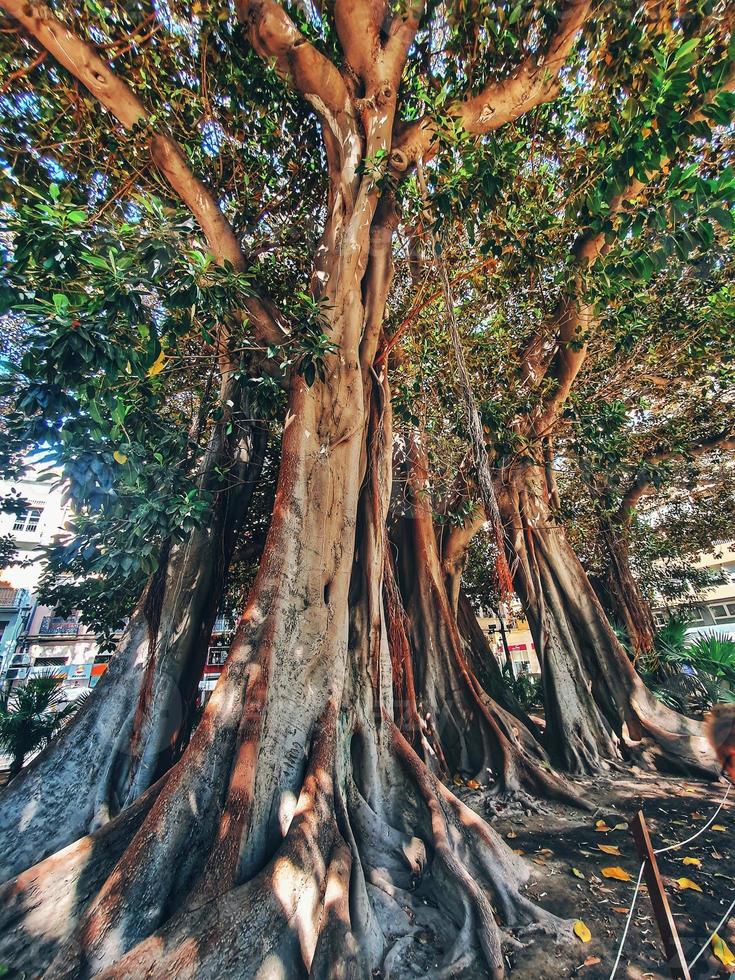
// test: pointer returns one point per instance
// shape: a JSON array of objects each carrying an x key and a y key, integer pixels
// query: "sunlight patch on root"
[{"x": 40, "y": 908}]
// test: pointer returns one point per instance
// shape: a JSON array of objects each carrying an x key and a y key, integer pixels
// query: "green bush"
[
  {"x": 691, "y": 678},
  {"x": 31, "y": 716}
]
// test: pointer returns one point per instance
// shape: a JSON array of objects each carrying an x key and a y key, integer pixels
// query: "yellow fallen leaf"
[
  {"x": 119, "y": 457},
  {"x": 157, "y": 365},
  {"x": 457, "y": 780},
  {"x": 609, "y": 848},
  {"x": 601, "y": 826},
  {"x": 581, "y": 931},
  {"x": 620, "y": 826},
  {"x": 620, "y": 874},
  {"x": 511, "y": 835},
  {"x": 685, "y": 883},
  {"x": 693, "y": 861},
  {"x": 718, "y": 826},
  {"x": 577, "y": 873},
  {"x": 722, "y": 951}
]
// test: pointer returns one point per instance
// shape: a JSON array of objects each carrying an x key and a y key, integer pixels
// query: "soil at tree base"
[{"x": 558, "y": 839}]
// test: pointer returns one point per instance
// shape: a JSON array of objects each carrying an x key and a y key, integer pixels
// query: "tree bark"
[
  {"x": 139, "y": 716},
  {"x": 467, "y": 730},
  {"x": 593, "y": 696},
  {"x": 620, "y": 593}
]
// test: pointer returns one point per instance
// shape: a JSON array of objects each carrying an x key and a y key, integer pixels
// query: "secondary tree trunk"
[
  {"x": 591, "y": 689},
  {"x": 620, "y": 593},
  {"x": 139, "y": 716},
  {"x": 468, "y": 731}
]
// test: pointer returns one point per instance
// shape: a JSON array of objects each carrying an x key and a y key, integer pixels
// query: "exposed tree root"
[
  {"x": 40, "y": 908},
  {"x": 344, "y": 893}
]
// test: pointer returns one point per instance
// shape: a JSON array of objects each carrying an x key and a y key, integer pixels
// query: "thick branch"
[
  {"x": 534, "y": 82},
  {"x": 274, "y": 36},
  {"x": 643, "y": 478},
  {"x": 574, "y": 318},
  {"x": 82, "y": 61}
]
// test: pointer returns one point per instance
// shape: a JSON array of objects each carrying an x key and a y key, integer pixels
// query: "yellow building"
[{"x": 520, "y": 645}]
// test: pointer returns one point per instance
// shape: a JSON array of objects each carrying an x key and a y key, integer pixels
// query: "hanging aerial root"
[{"x": 475, "y": 877}]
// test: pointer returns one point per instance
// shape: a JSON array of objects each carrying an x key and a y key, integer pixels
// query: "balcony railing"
[
  {"x": 58, "y": 626},
  {"x": 11, "y": 598}
]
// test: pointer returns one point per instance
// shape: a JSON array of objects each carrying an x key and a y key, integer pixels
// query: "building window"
[
  {"x": 723, "y": 611},
  {"x": 695, "y": 616},
  {"x": 28, "y": 520}
]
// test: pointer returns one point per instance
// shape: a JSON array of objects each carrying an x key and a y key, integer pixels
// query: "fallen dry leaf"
[
  {"x": 620, "y": 874},
  {"x": 472, "y": 784},
  {"x": 581, "y": 931},
  {"x": 511, "y": 834},
  {"x": 695, "y": 862},
  {"x": 592, "y": 961},
  {"x": 687, "y": 883},
  {"x": 723, "y": 952},
  {"x": 620, "y": 910},
  {"x": 601, "y": 826},
  {"x": 620, "y": 826},
  {"x": 577, "y": 873},
  {"x": 718, "y": 826},
  {"x": 609, "y": 849}
]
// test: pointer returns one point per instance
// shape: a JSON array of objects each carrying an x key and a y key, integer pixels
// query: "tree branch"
[
  {"x": 574, "y": 318},
  {"x": 534, "y": 82},
  {"x": 642, "y": 482},
  {"x": 274, "y": 36},
  {"x": 81, "y": 60}
]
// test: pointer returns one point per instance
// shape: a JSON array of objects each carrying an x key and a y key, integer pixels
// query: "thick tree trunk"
[
  {"x": 139, "y": 716},
  {"x": 621, "y": 596},
  {"x": 591, "y": 689},
  {"x": 299, "y": 826},
  {"x": 469, "y": 732}
]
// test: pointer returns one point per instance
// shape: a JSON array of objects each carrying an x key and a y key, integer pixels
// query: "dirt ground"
[{"x": 564, "y": 847}]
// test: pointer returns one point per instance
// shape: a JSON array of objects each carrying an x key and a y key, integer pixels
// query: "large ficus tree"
[{"x": 288, "y": 837}]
